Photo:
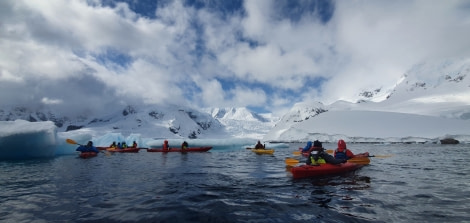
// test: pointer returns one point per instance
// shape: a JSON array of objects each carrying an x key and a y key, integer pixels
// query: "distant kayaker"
[
  {"x": 343, "y": 153},
  {"x": 184, "y": 145},
  {"x": 123, "y": 145},
  {"x": 134, "y": 144},
  {"x": 113, "y": 145},
  {"x": 165, "y": 145},
  {"x": 259, "y": 145},
  {"x": 319, "y": 156},
  {"x": 88, "y": 148},
  {"x": 307, "y": 147}
]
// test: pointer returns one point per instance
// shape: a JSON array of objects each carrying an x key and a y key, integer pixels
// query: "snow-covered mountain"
[
  {"x": 152, "y": 122},
  {"x": 158, "y": 122},
  {"x": 243, "y": 123},
  {"x": 433, "y": 95}
]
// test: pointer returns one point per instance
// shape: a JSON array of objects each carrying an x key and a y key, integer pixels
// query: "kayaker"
[
  {"x": 88, "y": 148},
  {"x": 319, "y": 156},
  {"x": 307, "y": 147},
  {"x": 317, "y": 146},
  {"x": 165, "y": 145},
  {"x": 343, "y": 153},
  {"x": 118, "y": 146},
  {"x": 113, "y": 145},
  {"x": 124, "y": 145},
  {"x": 259, "y": 145},
  {"x": 184, "y": 145},
  {"x": 134, "y": 144}
]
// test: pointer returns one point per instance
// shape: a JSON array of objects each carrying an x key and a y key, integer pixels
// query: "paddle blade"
[
  {"x": 330, "y": 151},
  {"x": 291, "y": 162},
  {"x": 359, "y": 160},
  {"x": 296, "y": 153},
  {"x": 70, "y": 141}
]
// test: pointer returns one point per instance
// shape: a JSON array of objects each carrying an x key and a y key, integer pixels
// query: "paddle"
[{"x": 71, "y": 141}]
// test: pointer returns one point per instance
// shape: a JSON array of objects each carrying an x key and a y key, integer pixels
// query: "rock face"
[{"x": 449, "y": 141}]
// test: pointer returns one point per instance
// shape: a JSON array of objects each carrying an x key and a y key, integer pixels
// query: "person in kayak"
[
  {"x": 87, "y": 148},
  {"x": 319, "y": 156},
  {"x": 317, "y": 146},
  {"x": 343, "y": 153},
  {"x": 259, "y": 145},
  {"x": 184, "y": 145},
  {"x": 165, "y": 145},
  {"x": 113, "y": 145},
  {"x": 134, "y": 144},
  {"x": 307, "y": 147}
]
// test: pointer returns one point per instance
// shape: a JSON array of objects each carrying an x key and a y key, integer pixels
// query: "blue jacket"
[
  {"x": 87, "y": 149},
  {"x": 307, "y": 147}
]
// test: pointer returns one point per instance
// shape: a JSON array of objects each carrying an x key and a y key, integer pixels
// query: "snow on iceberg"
[{"x": 21, "y": 139}]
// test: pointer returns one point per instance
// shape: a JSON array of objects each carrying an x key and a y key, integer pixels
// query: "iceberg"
[{"x": 21, "y": 139}]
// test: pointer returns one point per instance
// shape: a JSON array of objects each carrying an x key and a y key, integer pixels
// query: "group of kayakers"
[
  {"x": 317, "y": 155},
  {"x": 122, "y": 145}
]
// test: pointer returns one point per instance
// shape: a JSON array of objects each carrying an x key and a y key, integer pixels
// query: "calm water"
[{"x": 419, "y": 183}]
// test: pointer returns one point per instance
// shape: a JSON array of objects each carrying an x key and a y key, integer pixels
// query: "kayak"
[
  {"x": 323, "y": 169},
  {"x": 110, "y": 148},
  {"x": 189, "y": 149},
  {"x": 263, "y": 151},
  {"x": 85, "y": 155},
  {"x": 126, "y": 150}
]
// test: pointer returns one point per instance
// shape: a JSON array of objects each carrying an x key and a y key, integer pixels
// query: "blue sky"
[{"x": 265, "y": 55}]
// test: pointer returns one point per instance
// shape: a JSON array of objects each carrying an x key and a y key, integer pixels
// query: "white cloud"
[
  {"x": 365, "y": 45},
  {"x": 49, "y": 101}
]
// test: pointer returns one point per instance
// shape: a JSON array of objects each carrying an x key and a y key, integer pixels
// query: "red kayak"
[
  {"x": 126, "y": 150},
  {"x": 85, "y": 155},
  {"x": 323, "y": 169},
  {"x": 110, "y": 148},
  {"x": 189, "y": 149}
]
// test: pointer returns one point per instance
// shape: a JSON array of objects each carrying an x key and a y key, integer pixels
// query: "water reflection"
[{"x": 342, "y": 188}]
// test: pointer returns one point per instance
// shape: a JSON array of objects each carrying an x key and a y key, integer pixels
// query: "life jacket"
[
  {"x": 341, "y": 155},
  {"x": 165, "y": 145},
  {"x": 316, "y": 159}
]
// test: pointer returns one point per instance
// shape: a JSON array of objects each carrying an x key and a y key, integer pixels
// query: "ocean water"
[{"x": 418, "y": 183}]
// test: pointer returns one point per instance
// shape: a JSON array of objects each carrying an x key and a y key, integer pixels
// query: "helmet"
[
  {"x": 317, "y": 143},
  {"x": 341, "y": 145}
]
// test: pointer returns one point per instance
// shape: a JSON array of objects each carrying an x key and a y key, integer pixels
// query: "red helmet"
[{"x": 341, "y": 145}]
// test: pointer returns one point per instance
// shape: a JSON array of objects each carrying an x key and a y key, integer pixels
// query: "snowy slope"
[
  {"x": 243, "y": 123},
  {"x": 171, "y": 121},
  {"x": 149, "y": 121},
  {"x": 431, "y": 99}
]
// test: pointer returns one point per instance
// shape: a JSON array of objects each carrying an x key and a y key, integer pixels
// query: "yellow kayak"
[{"x": 263, "y": 151}]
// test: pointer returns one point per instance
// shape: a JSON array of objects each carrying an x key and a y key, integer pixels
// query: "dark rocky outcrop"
[{"x": 449, "y": 141}]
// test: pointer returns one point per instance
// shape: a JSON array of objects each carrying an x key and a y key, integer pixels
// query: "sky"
[{"x": 95, "y": 55}]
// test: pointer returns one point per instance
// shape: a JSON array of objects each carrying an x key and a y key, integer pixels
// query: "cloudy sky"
[{"x": 265, "y": 55}]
